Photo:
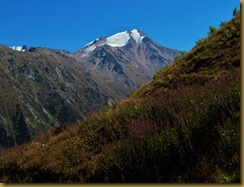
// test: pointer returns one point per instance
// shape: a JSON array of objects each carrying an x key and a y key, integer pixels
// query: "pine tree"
[
  {"x": 212, "y": 29},
  {"x": 235, "y": 11}
]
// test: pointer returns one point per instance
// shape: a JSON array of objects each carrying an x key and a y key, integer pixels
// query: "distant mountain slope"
[
  {"x": 182, "y": 127},
  {"x": 42, "y": 89},
  {"x": 124, "y": 61}
]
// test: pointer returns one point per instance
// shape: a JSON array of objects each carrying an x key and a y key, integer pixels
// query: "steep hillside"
[{"x": 184, "y": 126}]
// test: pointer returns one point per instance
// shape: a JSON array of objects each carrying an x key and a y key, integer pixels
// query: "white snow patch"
[
  {"x": 118, "y": 40},
  {"x": 18, "y": 48},
  {"x": 140, "y": 39},
  {"x": 136, "y": 35},
  {"x": 89, "y": 49}
]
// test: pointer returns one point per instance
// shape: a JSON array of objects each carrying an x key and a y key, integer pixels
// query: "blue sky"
[{"x": 70, "y": 24}]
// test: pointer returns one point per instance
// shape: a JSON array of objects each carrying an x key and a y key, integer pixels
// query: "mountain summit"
[
  {"x": 120, "y": 39},
  {"x": 123, "y": 61}
]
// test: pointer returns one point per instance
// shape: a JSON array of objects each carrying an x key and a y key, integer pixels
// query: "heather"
[{"x": 190, "y": 134}]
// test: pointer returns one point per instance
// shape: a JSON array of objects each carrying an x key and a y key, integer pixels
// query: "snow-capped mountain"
[{"x": 124, "y": 61}]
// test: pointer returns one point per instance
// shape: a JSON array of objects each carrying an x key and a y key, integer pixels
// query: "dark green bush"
[{"x": 212, "y": 30}]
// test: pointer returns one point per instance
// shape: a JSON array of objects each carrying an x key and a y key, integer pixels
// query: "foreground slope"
[{"x": 182, "y": 127}]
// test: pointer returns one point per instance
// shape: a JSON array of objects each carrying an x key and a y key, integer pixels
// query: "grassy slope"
[{"x": 182, "y": 127}]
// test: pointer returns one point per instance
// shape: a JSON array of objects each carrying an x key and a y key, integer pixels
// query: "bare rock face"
[{"x": 123, "y": 62}]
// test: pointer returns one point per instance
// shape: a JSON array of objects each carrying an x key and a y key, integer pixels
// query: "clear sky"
[{"x": 70, "y": 24}]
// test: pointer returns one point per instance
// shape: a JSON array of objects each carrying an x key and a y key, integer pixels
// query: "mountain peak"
[
  {"x": 137, "y": 35},
  {"x": 119, "y": 39}
]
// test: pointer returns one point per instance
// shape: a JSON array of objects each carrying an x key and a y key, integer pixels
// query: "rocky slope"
[
  {"x": 124, "y": 61},
  {"x": 42, "y": 89}
]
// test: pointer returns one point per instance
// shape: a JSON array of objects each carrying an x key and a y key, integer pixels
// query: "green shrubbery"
[
  {"x": 227, "y": 33},
  {"x": 235, "y": 11},
  {"x": 212, "y": 30},
  {"x": 200, "y": 41}
]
